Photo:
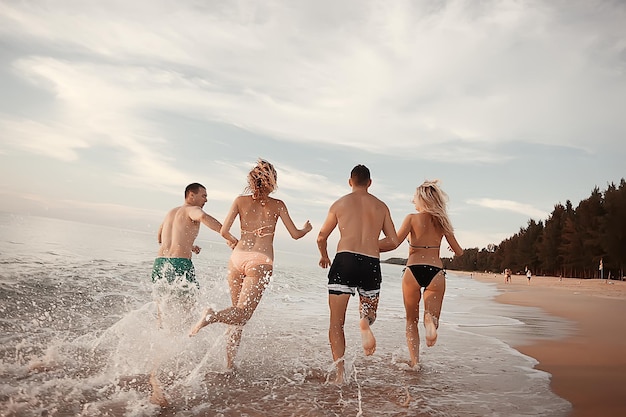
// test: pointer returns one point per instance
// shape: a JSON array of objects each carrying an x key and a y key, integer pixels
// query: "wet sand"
[{"x": 588, "y": 368}]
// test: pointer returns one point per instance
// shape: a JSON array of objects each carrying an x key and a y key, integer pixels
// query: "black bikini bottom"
[{"x": 424, "y": 274}]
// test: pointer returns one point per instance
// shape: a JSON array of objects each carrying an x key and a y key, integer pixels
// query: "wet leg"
[
  {"x": 157, "y": 397},
  {"x": 338, "y": 305},
  {"x": 234, "y": 339},
  {"x": 235, "y": 282},
  {"x": 433, "y": 300},
  {"x": 208, "y": 317},
  {"x": 412, "y": 294},
  {"x": 368, "y": 307},
  {"x": 245, "y": 295}
]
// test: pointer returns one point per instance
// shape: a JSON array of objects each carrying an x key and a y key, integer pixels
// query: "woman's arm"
[
  {"x": 295, "y": 233},
  {"x": 454, "y": 245},
  {"x": 228, "y": 223}
]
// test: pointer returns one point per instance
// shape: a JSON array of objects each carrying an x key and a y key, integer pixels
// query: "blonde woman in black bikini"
[
  {"x": 251, "y": 263},
  {"x": 425, "y": 230}
]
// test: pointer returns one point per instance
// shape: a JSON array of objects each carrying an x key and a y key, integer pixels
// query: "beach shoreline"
[{"x": 587, "y": 368}]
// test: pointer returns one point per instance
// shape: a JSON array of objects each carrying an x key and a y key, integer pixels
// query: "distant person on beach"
[
  {"x": 173, "y": 272},
  {"x": 507, "y": 276},
  {"x": 251, "y": 263},
  {"x": 528, "y": 275},
  {"x": 425, "y": 230},
  {"x": 360, "y": 218}
]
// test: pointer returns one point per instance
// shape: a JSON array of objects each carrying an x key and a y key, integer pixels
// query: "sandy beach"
[{"x": 588, "y": 368}]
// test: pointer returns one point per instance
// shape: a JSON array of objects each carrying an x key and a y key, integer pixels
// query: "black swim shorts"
[{"x": 353, "y": 271}]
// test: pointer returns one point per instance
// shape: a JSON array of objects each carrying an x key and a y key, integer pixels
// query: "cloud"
[
  {"x": 294, "y": 184},
  {"x": 95, "y": 109},
  {"x": 508, "y": 205},
  {"x": 480, "y": 240},
  {"x": 37, "y": 137},
  {"x": 416, "y": 74}
]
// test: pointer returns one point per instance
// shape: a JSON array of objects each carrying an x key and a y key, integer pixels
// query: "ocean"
[{"x": 79, "y": 337}]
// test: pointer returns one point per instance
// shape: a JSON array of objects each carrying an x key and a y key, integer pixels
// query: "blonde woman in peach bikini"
[
  {"x": 251, "y": 263},
  {"x": 425, "y": 230}
]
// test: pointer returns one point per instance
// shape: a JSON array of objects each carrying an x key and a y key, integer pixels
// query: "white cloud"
[
  {"x": 51, "y": 138},
  {"x": 512, "y": 206},
  {"x": 475, "y": 239},
  {"x": 96, "y": 108},
  {"x": 415, "y": 74},
  {"x": 457, "y": 81}
]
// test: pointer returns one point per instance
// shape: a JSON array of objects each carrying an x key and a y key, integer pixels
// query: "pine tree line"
[{"x": 571, "y": 243}]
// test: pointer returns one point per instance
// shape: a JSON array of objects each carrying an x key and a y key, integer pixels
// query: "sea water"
[{"x": 79, "y": 337}]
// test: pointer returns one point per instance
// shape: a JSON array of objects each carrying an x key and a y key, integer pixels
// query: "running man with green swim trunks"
[
  {"x": 177, "y": 235},
  {"x": 173, "y": 267}
]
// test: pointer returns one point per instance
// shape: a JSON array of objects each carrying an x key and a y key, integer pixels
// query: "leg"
[
  {"x": 232, "y": 346},
  {"x": 235, "y": 283},
  {"x": 412, "y": 294},
  {"x": 248, "y": 298},
  {"x": 433, "y": 299},
  {"x": 157, "y": 397},
  {"x": 338, "y": 305},
  {"x": 368, "y": 307}
]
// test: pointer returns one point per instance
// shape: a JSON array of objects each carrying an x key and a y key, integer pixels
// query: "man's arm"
[
  {"x": 390, "y": 242},
  {"x": 159, "y": 234},
  {"x": 322, "y": 238},
  {"x": 198, "y": 215},
  {"x": 386, "y": 245}
]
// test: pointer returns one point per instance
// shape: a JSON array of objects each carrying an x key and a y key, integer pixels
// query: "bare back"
[
  {"x": 178, "y": 232},
  {"x": 258, "y": 223},
  {"x": 425, "y": 235},
  {"x": 361, "y": 218}
]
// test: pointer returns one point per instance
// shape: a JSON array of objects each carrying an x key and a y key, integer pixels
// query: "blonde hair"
[
  {"x": 432, "y": 199},
  {"x": 262, "y": 179}
]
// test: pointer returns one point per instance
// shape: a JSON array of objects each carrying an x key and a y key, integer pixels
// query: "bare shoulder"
[
  {"x": 193, "y": 212},
  {"x": 341, "y": 201},
  {"x": 379, "y": 202},
  {"x": 173, "y": 212},
  {"x": 276, "y": 201},
  {"x": 421, "y": 217},
  {"x": 242, "y": 200},
  {"x": 278, "y": 204}
]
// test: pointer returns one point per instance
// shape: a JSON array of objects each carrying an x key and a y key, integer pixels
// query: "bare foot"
[
  {"x": 157, "y": 397},
  {"x": 431, "y": 330},
  {"x": 340, "y": 365},
  {"x": 203, "y": 321},
  {"x": 40, "y": 366},
  {"x": 367, "y": 337},
  {"x": 339, "y": 378}
]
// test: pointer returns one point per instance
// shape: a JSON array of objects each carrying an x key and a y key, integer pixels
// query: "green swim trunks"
[{"x": 173, "y": 269}]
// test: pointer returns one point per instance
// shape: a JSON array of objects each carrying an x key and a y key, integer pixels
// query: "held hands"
[
  {"x": 196, "y": 249},
  {"x": 231, "y": 244},
  {"x": 324, "y": 262}
]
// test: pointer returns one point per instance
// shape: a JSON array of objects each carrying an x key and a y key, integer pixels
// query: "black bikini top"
[{"x": 422, "y": 246}]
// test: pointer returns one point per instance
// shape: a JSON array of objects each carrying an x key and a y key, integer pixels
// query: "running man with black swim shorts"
[
  {"x": 173, "y": 272},
  {"x": 360, "y": 218}
]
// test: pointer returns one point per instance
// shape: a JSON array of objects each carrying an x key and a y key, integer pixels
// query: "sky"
[{"x": 109, "y": 109}]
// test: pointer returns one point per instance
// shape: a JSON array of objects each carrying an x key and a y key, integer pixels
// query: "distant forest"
[{"x": 571, "y": 242}]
